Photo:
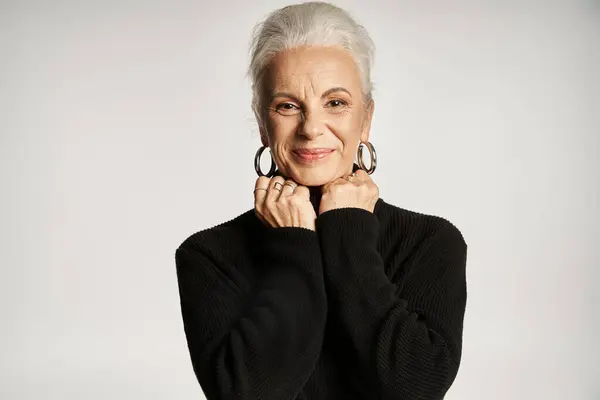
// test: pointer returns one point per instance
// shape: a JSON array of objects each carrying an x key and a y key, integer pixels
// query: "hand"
[
  {"x": 283, "y": 203},
  {"x": 353, "y": 190}
]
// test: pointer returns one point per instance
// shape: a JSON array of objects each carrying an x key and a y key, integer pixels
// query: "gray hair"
[{"x": 311, "y": 23}]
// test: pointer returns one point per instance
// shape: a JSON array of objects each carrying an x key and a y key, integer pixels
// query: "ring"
[
  {"x": 275, "y": 186},
  {"x": 290, "y": 185},
  {"x": 259, "y": 189}
]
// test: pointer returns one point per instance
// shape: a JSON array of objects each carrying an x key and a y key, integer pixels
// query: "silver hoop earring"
[
  {"x": 373, "y": 155},
  {"x": 257, "y": 163}
]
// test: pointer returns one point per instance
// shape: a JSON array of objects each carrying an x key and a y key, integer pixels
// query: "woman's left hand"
[{"x": 352, "y": 190}]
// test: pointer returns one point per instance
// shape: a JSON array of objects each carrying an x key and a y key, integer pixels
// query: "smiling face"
[{"x": 312, "y": 97}]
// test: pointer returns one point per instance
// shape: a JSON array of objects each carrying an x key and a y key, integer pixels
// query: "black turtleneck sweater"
[{"x": 368, "y": 306}]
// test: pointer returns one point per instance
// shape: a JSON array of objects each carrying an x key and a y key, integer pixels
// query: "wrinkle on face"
[{"x": 303, "y": 118}]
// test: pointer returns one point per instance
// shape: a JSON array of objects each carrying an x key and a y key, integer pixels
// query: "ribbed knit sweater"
[{"x": 368, "y": 306}]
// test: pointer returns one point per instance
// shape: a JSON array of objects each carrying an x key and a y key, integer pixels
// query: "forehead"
[{"x": 313, "y": 65}]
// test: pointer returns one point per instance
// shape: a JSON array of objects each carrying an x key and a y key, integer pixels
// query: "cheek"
[
  {"x": 282, "y": 126},
  {"x": 281, "y": 131},
  {"x": 347, "y": 128}
]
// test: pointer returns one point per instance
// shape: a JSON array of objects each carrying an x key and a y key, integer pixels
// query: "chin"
[{"x": 315, "y": 176}]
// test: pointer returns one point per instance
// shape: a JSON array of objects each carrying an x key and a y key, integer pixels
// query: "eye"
[
  {"x": 285, "y": 106},
  {"x": 336, "y": 103}
]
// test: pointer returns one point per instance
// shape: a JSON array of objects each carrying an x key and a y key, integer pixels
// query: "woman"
[{"x": 322, "y": 290}]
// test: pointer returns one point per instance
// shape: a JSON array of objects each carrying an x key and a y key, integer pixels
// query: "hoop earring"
[
  {"x": 257, "y": 163},
  {"x": 372, "y": 153}
]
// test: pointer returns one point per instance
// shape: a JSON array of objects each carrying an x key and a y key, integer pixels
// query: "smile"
[{"x": 312, "y": 156}]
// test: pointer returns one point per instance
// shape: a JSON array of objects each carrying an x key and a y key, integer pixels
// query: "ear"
[
  {"x": 264, "y": 137},
  {"x": 366, "y": 131}
]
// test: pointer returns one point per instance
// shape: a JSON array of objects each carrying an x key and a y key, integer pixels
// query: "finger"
[
  {"x": 343, "y": 180},
  {"x": 302, "y": 191},
  {"x": 288, "y": 187},
  {"x": 260, "y": 189},
  {"x": 358, "y": 178},
  {"x": 362, "y": 175},
  {"x": 336, "y": 182},
  {"x": 355, "y": 180},
  {"x": 275, "y": 188}
]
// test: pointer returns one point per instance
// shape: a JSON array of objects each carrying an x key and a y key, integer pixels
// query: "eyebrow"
[{"x": 325, "y": 93}]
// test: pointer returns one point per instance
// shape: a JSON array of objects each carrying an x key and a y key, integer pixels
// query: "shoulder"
[
  {"x": 417, "y": 232},
  {"x": 224, "y": 238}
]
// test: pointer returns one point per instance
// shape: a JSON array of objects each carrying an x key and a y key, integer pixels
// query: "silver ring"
[{"x": 290, "y": 185}]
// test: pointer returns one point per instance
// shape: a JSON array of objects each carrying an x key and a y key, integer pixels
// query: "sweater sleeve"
[
  {"x": 407, "y": 342},
  {"x": 259, "y": 346}
]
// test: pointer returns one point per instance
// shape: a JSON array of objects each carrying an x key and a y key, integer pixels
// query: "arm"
[
  {"x": 264, "y": 346},
  {"x": 407, "y": 344}
]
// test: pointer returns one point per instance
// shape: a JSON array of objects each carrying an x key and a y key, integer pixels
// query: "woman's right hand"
[{"x": 283, "y": 203}]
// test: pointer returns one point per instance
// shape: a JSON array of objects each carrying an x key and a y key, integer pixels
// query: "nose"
[{"x": 312, "y": 124}]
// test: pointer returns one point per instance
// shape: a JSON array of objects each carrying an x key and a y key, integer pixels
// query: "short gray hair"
[{"x": 311, "y": 23}]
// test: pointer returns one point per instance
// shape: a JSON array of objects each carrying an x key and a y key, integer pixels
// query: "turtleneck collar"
[{"x": 315, "y": 191}]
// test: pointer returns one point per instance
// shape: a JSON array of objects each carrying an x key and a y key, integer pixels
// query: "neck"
[{"x": 315, "y": 191}]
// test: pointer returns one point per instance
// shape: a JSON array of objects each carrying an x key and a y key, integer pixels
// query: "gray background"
[{"x": 126, "y": 126}]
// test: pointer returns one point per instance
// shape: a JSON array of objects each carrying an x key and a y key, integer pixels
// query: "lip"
[
  {"x": 319, "y": 150},
  {"x": 308, "y": 155}
]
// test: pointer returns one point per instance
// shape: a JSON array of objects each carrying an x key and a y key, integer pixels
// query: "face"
[{"x": 312, "y": 99}]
